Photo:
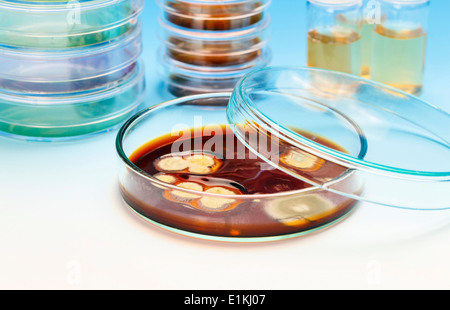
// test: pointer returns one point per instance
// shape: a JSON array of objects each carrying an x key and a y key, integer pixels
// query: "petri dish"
[
  {"x": 44, "y": 117},
  {"x": 214, "y": 205},
  {"x": 62, "y": 24},
  {"x": 73, "y": 70},
  {"x": 211, "y": 15},
  {"x": 348, "y": 139},
  {"x": 405, "y": 164},
  {"x": 214, "y": 48},
  {"x": 183, "y": 79}
]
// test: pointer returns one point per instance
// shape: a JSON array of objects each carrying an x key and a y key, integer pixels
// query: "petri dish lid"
[
  {"x": 55, "y": 24},
  {"x": 169, "y": 29},
  {"x": 132, "y": 78},
  {"x": 211, "y": 8},
  {"x": 40, "y": 68},
  {"x": 397, "y": 147},
  {"x": 196, "y": 71}
]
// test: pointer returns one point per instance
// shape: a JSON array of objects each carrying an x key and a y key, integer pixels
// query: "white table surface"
[{"x": 63, "y": 224}]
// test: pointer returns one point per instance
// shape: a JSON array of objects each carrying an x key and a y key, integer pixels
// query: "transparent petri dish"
[
  {"x": 214, "y": 48},
  {"x": 347, "y": 140},
  {"x": 43, "y": 117},
  {"x": 217, "y": 206},
  {"x": 65, "y": 24},
  {"x": 407, "y": 141},
  {"x": 69, "y": 70},
  {"x": 211, "y": 15},
  {"x": 184, "y": 79}
]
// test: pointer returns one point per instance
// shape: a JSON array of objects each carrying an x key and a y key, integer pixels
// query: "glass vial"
[
  {"x": 371, "y": 17},
  {"x": 334, "y": 35},
  {"x": 399, "y": 44}
]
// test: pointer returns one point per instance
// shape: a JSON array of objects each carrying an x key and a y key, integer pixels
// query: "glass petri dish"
[
  {"x": 393, "y": 151},
  {"x": 267, "y": 216},
  {"x": 183, "y": 79},
  {"x": 62, "y": 24},
  {"x": 73, "y": 70},
  {"x": 43, "y": 117},
  {"x": 407, "y": 141},
  {"x": 214, "y": 48},
  {"x": 210, "y": 15}
]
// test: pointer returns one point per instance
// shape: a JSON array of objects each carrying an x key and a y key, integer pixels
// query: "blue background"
[{"x": 288, "y": 44}]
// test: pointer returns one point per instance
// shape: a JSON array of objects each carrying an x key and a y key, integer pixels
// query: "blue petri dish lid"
[
  {"x": 55, "y": 24},
  {"x": 395, "y": 146}
]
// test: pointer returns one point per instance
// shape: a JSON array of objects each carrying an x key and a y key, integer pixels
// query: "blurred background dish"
[
  {"x": 69, "y": 70},
  {"x": 62, "y": 24},
  {"x": 71, "y": 115},
  {"x": 183, "y": 79},
  {"x": 214, "y": 15},
  {"x": 213, "y": 44}
]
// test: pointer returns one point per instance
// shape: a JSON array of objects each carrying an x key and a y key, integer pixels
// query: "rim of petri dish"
[
  {"x": 127, "y": 82},
  {"x": 122, "y": 41},
  {"x": 349, "y": 161},
  {"x": 61, "y": 8},
  {"x": 258, "y": 10},
  {"x": 216, "y": 35},
  {"x": 218, "y": 72}
]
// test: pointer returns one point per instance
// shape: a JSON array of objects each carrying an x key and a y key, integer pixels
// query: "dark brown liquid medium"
[
  {"x": 243, "y": 175},
  {"x": 213, "y": 17}
]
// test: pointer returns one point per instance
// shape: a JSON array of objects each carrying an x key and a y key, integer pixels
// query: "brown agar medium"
[
  {"x": 210, "y": 46},
  {"x": 234, "y": 179},
  {"x": 216, "y": 17},
  {"x": 213, "y": 54}
]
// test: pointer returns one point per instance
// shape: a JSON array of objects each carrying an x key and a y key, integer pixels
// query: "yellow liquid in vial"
[
  {"x": 398, "y": 58},
  {"x": 337, "y": 49},
  {"x": 366, "y": 39}
]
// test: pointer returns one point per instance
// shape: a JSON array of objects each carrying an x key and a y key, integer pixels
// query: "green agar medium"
[
  {"x": 65, "y": 29},
  {"x": 65, "y": 119}
]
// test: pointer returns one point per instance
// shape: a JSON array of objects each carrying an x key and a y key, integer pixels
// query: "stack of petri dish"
[
  {"x": 69, "y": 69},
  {"x": 209, "y": 45}
]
